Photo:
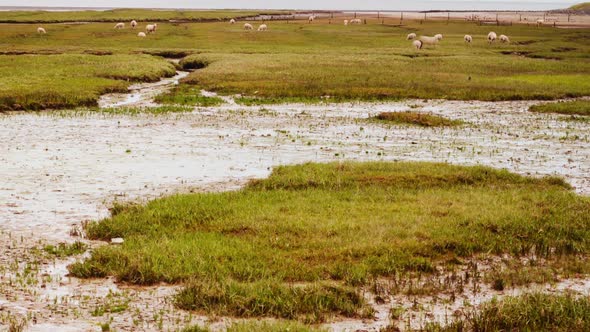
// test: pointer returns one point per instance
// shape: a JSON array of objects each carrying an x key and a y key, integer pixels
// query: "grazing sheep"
[
  {"x": 345, "y": 22},
  {"x": 232, "y": 21},
  {"x": 262, "y": 27},
  {"x": 141, "y": 34},
  {"x": 468, "y": 39},
  {"x": 540, "y": 22},
  {"x": 310, "y": 19},
  {"x": 248, "y": 26},
  {"x": 120, "y": 26},
  {"x": 439, "y": 36},
  {"x": 417, "y": 44},
  {"x": 429, "y": 40},
  {"x": 133, "y": 24},
  {"x": 411, "y": 36},
  {"x": 504, "y": 39},
  {"x": 492, "y": 37},
  {"x": 356, "y": 21},
  {"x": 41, "y": 31},
  {"x": 151, "y": 28}
]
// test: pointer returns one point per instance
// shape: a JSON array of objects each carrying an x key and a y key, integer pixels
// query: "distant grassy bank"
[
  {"x": 583, "y": 7},
  {"x": 296, "y": 61},
  {"x": 125, "y": 15},
  {"x": 298, "y": 244}
]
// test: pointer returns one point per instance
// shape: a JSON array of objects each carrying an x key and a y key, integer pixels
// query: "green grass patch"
[
  {"x": 187, "y": 95},
  {"x": 66, "y": 249},
  {"x": 530, "y": 312},
  {"x": 71, "y": 80},
  {"x": 417, "y": 119},
  {"x": 271, "y": 298},
  {"x": 346, "y": 223},
  {"x": 578, "y": 107}
]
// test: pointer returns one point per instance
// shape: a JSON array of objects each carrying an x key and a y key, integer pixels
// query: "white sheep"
[
  {"x": 248, "y": 26},
  {"x": 262, "y": 27},
  {"x": 120, "y": 25},
  {"x": 540, "y": 22},
  {"x": 133, "y": 24},
  {"x": 426, "y": 40},
  {"x": 468, "y": 39},
  {"x": 232, "y": 21},
  {"x": 411, "y": 36},
  {"x": 345, "y": 22},
  {"x": 492, "y": 37},
  {"x": 504, "y": 39},
  {"x": 417, "y": 44},
  {"x": 311, "y": 18},
  {"x": 41, "y": 31},
  {"x": 356, "y": 21},
  {"x": 141, "y": 34},
  {"x": 151, "y": 28},
  {"x": 438, "y": 36}
]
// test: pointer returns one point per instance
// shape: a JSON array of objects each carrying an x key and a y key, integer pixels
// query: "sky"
[{"x": 305, "y": 4}]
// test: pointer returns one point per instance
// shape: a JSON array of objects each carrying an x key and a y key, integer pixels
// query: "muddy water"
[
  {"x": 140, "y": 94},
  {"x": 58, "y": 170}
]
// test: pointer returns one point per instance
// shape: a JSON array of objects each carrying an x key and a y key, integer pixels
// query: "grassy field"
[
  {"x": 298, "y": 244},
  {"x": 580, "y": 107},
  {"x": 117, "y": 15},
  {"x": 70, "y": 80},
  {"x": 296, "y": 61},
  {"x": 530, "y": 312}
]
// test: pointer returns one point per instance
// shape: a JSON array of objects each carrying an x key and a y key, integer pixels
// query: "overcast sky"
[{"x": 302, "y": 4}]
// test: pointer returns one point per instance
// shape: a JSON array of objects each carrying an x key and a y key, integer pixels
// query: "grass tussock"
[
  {"x": 194, "y": 62},
  {"x": 530, "y": 312},
  {"x": 417, "y": 119},
  {"x": 261, "y": 326},
  {"x": 578, "y": 107},
  {"x": 345, "y": 223},
  {"x": 311, "y": 303},
  {"x": 65, "y": 249},
  {"x": 276, "y": 326}
]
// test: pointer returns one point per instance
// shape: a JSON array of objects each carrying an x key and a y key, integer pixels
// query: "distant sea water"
[{"x": 392, "y": 5}]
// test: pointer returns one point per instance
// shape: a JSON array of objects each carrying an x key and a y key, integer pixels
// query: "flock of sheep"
[
  {"x": 426, "y": 40},
  {"x": 417, "y": 43},
  {"x": 150, "y": 28},
  {"x": 264, "y": 27}
]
